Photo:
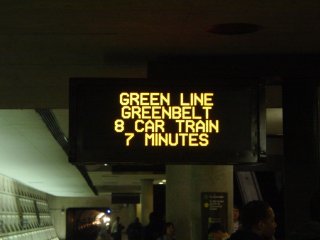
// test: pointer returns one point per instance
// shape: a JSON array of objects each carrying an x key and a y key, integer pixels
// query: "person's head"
[
  {"x": 217, "y": 231},
  {"x": 258, "y": 216},
  {"x": 153, "y": 217},
  {"x": 236, "y": 213},
  {"x": 169, "y": 229}
]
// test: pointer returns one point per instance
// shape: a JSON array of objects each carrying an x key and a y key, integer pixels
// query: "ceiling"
[{"x": 44, "y": 43}]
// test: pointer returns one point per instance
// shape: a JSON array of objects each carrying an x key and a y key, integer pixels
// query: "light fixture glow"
[
  {"x": 100, "y": 215},
  {"x": 101, "y": 218}
]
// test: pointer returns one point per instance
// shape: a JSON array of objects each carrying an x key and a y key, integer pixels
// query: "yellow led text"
[
  {"x": 144, "y": 98},
  {"x": 164, "y": 119},
  {"x": 177, "y": 139},
  {"x": 194, "y": 99},
  {"x": 206, "y": 126},
  {"x": 161, "y": 112},
  {"x": 149, "y": 126}
]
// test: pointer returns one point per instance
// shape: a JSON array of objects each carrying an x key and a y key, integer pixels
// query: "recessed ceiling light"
[{"x": 234, "y": 28}]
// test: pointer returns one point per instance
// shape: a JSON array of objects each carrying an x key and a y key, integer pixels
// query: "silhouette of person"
[
  {"x": 168, "y": 232},
  {"x": 134, "y": 230},
  {"x": 116, "y": 229},
  {"x": 154, "y": 229},
  {"x": 257, "y": 221},
  {"x": 235, "y": 217}
]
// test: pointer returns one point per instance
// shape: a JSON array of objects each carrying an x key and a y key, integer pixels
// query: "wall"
[{"x": 24, "y": 212}]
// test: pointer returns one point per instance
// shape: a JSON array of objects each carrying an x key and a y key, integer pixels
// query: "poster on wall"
[
  {"x": 214, "y": 209},
  {"x": 162, "y": 122}
]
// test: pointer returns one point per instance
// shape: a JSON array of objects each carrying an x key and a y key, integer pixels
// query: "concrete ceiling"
[
  {"x": 29, "y": 154},
  {"x": 44, "y": 43}
]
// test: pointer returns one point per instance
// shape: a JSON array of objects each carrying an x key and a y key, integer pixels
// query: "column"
[
  {"x": 146, "y": 200},
  {"x": 184, "y": 186},
  {"x": 301, "y": 150},
  {"x": 132, "y": 213}
]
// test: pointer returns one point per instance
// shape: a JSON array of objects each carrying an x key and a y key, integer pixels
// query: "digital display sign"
[
  {"x": 155, "y": 122},
  {"x": 149, "y": 114}
]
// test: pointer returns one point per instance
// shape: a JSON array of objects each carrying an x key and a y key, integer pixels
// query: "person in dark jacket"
[
  {"x": 134, "y": 230},
  {"x": 257, "y": 221},
  {"x": 155, "y": 227}
]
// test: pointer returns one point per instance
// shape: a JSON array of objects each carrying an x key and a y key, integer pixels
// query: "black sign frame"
[{"x": 94, "y": 106}]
